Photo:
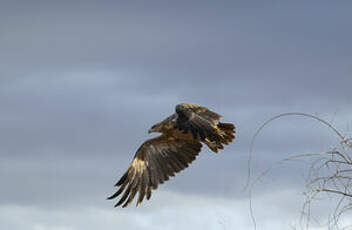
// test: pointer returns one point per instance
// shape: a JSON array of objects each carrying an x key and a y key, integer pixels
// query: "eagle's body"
[{"x": 161, "y": 157}]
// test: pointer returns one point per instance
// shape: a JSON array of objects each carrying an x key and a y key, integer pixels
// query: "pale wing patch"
[{"x": 139, "y": 165}]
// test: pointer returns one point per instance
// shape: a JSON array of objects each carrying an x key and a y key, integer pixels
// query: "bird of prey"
[{"x": 161, "y": 157}]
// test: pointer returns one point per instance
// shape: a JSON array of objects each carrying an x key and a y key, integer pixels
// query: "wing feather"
[
  {"x": 155, "y": 161},
  {"x": 123, "y": 178},
  {"x": 149, "y": 192},
  {"x": 152, "y": 179},
  {"x": 124, "y": 196},
  {"x": 143, "y": 187}
]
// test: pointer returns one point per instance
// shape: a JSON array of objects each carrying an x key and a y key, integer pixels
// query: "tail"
[{"x": 226, "y": 133}]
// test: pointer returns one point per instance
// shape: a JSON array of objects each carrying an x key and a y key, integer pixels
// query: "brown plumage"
[{"x": 159, "y": 158}]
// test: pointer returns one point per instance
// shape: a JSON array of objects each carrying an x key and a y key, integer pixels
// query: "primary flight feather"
[{"x": 161, "y": 157}]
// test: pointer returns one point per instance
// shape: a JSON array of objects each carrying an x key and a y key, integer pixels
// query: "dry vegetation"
[{"x": 329, "y": 177}]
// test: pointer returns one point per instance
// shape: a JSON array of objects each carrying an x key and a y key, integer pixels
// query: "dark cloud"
[{"x": 81, "y": 82}]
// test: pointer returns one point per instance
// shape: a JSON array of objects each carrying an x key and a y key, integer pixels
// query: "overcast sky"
[{"x": 81, "y": 82}]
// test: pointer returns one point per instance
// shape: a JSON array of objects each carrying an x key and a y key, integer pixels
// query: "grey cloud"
[
  {"x": 81, "y": 82},
  {"x": 84, "y": 119},
  {"x": 80, "y": 116},
  {"x": 194, "y": 212}
]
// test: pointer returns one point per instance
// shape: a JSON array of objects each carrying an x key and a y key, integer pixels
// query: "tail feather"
[
  {"x": 226, "y": 134},
  {"x": 229, "y": 132}
]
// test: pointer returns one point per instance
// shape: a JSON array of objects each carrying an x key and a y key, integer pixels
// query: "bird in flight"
[{"x": 161, "y": 157}]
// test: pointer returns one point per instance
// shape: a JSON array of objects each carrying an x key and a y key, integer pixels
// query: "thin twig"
[{"x": 277, "y": 117}]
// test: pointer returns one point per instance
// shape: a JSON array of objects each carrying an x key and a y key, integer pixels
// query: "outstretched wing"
[
  {"x": 198, "y": 120},
  {"x": 155, "y": 161}
]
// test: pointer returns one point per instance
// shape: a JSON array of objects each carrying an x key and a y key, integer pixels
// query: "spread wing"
[
  {"x": 198, "y": 120},
  {"x": 155, "y": 161}
]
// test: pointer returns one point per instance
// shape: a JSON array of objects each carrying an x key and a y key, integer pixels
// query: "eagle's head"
[{"x": 155, "y": 128}]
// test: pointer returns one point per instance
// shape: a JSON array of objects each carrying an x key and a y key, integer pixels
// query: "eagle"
[{"x": 180, "y": 142}]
